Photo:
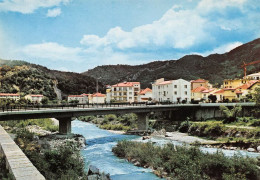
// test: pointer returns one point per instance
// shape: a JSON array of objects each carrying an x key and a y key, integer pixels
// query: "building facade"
[
  {"x": 145, "y": 95},
  {"x": 173, "y": 91},
  {"x": 9, "y": 96},
  {"x": 34, "y": 98},
  {"x": 82, "y": 99},
  {"x": 98, "y": 98},
  {"x": 255, "y": 76},
  {"x": 200, "y": 83},
  {"x": 125, "y": 92}
]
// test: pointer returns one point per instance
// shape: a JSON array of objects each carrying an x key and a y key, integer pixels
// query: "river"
[{"x": 98, "y": 152}]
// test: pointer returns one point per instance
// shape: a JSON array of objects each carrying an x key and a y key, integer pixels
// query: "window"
[
  {"x": 130, "y": 93},
  {"x": 164, "y": 93},
  {"x": 186, "y": 92},
  {"x": 114, "y": 89},
  {"x": 136, "y": 89},
  {"x": 130, "y": 97},
  {"x": 175, "y": 92},
  {"x": 175, "y": 86},
  {"x": 185, "y": 86},
  {"x": 130, "y": 88}
]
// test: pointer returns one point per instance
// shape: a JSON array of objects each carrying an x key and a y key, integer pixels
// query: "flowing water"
[{"x": 98, "y": 152}]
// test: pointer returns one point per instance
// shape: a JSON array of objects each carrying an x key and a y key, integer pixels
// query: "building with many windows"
[
  {"x": 125, "y": 92},
  {"x": 172, "y": 90},
  {"x": 35, "y": 98}
]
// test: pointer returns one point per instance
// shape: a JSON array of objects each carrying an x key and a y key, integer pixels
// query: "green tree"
[{"x": 230, "y": 114}]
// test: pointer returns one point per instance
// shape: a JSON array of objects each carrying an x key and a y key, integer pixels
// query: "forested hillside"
[{"x": 215, "y": 67}]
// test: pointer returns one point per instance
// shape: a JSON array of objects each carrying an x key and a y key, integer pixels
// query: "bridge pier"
[
  {"x": 64, "y": 125},
  {"x": 142, "y": 121}
]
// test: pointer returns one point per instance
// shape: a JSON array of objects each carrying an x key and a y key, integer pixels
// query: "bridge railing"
[{"x": 31, "y": 107}]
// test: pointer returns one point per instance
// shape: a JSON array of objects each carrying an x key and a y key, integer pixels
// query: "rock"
[
  {"x": 258, "y": 148},
  {"x": 233, "y": 148},
  {"x": 145, "y": 137},
  {"x": 238, "y": 134},
  {"x": 93, "y": 177},
  {"x": 251, "y": 150},
  {"x": 137, "y": 163},
  {"x": 93, "y": 169}
]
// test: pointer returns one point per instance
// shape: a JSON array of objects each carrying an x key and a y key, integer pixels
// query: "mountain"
[
  {"x": 26, "y": 78},
  {"x": 215, "y": 67}
]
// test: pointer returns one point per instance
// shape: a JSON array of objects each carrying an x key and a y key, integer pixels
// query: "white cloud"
[
  {"x": 52, "y": 51},
  {"x": 205, "y": 6},
  {"x": 28, "y": 6},
  {"x": 53, "y": 12},
  {"x": 176, "y": 29},
  {"x": 222, "y": 49}
]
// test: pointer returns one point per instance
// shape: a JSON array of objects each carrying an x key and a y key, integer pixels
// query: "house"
[
  {"x": 125, "y": 92},
  {"x": 196, "y": 94},
  {"x": 172, "y": 90},
  {"x": 200, "y": 83},
  {"x": 9, "y": 96},
  {"x": 234, "y": 83},
  {"x": 255, "y": 76},
  {"x": 145, "y": 95},
  {"x": 82, "y": 99},
  {"x": 98, "y": 98},
  {"x": 229, "y": 94},
  {"x": 35, "y": 98},
  {"x": 245, "y": 88}
]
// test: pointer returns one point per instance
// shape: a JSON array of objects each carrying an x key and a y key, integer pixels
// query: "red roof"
[
  {"x": 75, "y": 96},
  {"x": 36, "y": 95},
  {"x": 144, "y": 91},
  {"x": 208, "y": 90},
  {"x": 199, "y": 89},
  {"x": 199, "y": 81},
  {"x": 8, "y": 94},
  {"x": 98, "y": 95},
  {"x": 247, "y": 85},
  {"x": 125, "y": 84},
  {"x": 238, "y": 92},
  {"x": 220, "y": 91},
  {"x": 225, "y": 89},
  {"x": 165, "y": 82}
]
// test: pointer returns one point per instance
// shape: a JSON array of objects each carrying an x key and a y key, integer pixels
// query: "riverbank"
[{"x": 181, "y": 162}]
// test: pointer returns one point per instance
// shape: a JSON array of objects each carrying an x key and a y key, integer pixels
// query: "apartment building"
[
  {"x": 234, "y": 83},
  {"x": 125, "y": 92},
  {"x": 172, "y": 90},
  {"x": 200, "y": 83},
  {"x": 255, "y": 76}
]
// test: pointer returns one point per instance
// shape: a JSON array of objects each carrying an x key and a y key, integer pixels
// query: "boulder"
[
  {"x": 258, "y": 148},
  {"x": 93, "y": 177},
  {"x": 251, "y": 150},
  {"x": 93, "y": 169}
]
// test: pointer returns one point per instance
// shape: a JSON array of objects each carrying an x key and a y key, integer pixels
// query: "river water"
[{"x": 98, "y": 152}]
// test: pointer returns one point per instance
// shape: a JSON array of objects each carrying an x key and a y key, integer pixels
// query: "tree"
[
  {"x": 230, "y": 114},
  {"x": 212, "y": 98},
  {"x": 45, "y": 100}
]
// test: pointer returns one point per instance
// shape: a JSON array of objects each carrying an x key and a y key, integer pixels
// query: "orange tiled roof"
[
  {"x": 75, "y": 96},
  {"x": 238, "y": 92},
  {"x": 165, "y": 82},
  {"x": 98, "y": 95},
  {"x": 247, "y": 85},
  {"x": 36, "y": 95},
  {"x": 125, "y": 84},
  {"x": 208, "y": 90},
  {"x": 199, "y": 89},
  {"x": 199, "y": 81},
  {"x": 144, "y": 91},
  {"x": 220, "y": 91},
  {"x": 8, "y": 94}
]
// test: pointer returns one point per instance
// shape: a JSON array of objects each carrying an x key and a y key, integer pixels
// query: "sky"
[{"x": 77, "y": 35}]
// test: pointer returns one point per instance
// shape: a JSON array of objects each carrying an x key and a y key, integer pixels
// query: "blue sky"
[{"x": 76, "y": 35}]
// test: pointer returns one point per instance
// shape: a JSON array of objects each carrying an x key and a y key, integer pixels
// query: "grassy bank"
[
  {"x": 244, "y": 130},
  {"x": 4, "y": 174},
  {"x": 188, "y": 163},
  {"x": 64, "y": 162}
]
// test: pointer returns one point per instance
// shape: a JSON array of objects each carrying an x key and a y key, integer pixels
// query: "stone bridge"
[{"x": 177, "y": 112}]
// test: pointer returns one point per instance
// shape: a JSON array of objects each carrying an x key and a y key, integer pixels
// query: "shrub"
[
  {"x": 230, "y": 114},
  {"x": 184, "y": 127},
  {"x": 110, "y": 117},
  {"x": 182, "y": 162}
]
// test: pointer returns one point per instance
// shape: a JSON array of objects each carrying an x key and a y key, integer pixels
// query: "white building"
[
  {"x": 98, "y": 98},
  {"x": 125, "y": 92},
  {"x": 145, "y": 95},
  {"x": 9, "y": 96},
  {"x": 255, "y": 76},
  {"x": 173, "y": 90},
  {"x": 35, "y": 98},
  {"x": 82, "y": 99}
]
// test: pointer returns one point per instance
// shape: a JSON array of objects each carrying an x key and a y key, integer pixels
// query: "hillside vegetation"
[
  {"x": 215, "y": 67},
  {"x": 24, "y": 78}
]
